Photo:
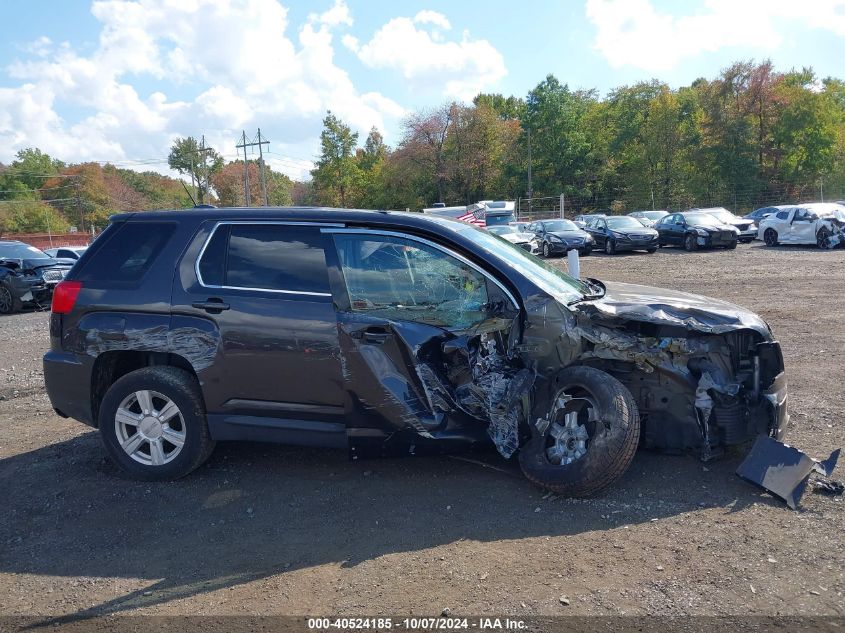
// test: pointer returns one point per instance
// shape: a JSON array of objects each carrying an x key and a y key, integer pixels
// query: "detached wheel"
[
  {"x": 9, "y": 303},
  {"x": 770, "y": 237},
  {"x": 690, "y": 243},
  {"x": 610, "y": 247},
  {"x": 152, "y": 423},
  {"x": 589, "y": 436}
]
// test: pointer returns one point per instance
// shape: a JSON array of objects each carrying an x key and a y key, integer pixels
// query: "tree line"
[{"x": 752, "y": 136}]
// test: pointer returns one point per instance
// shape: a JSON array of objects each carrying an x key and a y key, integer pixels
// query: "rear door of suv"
[{"x": 265, "y": 287}]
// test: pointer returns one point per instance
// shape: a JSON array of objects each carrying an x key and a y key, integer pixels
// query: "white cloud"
[
  {"x": 434, "y": 18},
  {"x": 337, "y": 15},
  {"x": 635, "y": 33},
  {"x": 232, "y": 61},
  {"x": 463, "y": 68}
]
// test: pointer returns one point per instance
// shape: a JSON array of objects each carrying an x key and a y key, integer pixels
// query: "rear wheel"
[
  {"x": 9, "y": 303},
  {"x": 588, "y": 438},
  {"x": 153, "y": 425},
  {"x": 690, "y": 242},
  {"x": 770, "y": 237}
]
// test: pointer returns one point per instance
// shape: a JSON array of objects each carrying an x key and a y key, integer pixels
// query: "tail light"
[{"x": 64, "y": 296}]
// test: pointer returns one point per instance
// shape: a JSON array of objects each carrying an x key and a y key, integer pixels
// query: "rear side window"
[
  {"x": 128, "y": 253},
  {"x": 266, "y": 257}
]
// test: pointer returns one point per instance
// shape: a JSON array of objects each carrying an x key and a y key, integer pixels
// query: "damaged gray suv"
[{"x": 386, "y": 334}]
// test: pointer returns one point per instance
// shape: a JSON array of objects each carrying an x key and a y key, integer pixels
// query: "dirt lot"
[{"x": 274, "y": 530}]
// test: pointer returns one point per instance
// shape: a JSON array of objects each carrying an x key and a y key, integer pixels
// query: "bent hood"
[{"x": 672, "y": 307}]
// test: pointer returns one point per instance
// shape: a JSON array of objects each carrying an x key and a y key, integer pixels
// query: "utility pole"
[
  {"x": 203, "y": 151},
  {"x": 261, "y": 166},
  {"x": 530, "y": 189},
  {"x": 821, "y": 187},
  {"x": 259, "y": 143},
  {"x": 246, "y": 168},
  {"x": 79, "y": 204}
]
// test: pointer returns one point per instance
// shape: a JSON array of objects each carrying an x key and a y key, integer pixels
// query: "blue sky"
[{"x": 117, "y": 80}]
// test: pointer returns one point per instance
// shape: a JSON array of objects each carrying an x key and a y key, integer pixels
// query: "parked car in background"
[
  {"x": 524, "y": 239},
  {"x": 584, "y": 219},
  {"x": 66, "y": 252},
  {"x": 820, "y": 223},
  {"x": 28, "y": 275},
  {"x": 763, "y": 212},
  {"x": 558, "y": 237},
  {"x": 615, "y": 233},
  {"x": 747, "y": 229},
  {"x": 395, "y": 334},
  {"x": 694, "y": 230},
  {"x": 648, "y": 218}
]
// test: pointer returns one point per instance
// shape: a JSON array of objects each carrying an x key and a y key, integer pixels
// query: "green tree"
[
  {"x": 188, "y": 156},
  {"x": 336, "y": 173}
]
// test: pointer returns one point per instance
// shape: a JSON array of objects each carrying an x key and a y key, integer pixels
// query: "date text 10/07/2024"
[{"x": 415, "y": 624}]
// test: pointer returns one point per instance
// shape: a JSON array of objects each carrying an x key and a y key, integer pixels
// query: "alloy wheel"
[
  {"x": 5, "y": 300},
  {"x": 150, "y": 428}
]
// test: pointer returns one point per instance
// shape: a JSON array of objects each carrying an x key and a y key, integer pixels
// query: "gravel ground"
[{"x": 275, "y": 530}]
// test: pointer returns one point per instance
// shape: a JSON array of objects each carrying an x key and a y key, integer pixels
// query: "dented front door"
[{"x": 399, "y": 298}]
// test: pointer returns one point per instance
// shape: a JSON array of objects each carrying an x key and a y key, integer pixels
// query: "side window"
[
  {"x": 397, "y": 278},
  {"x": 266, "y": 257},
  {"x": 128, "y": 252},
  {"x": 783, "y": 215}
]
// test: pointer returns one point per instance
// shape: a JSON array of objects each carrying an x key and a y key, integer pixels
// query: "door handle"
[
  {"x": 375, "y": 335},
  {"x": 213, "y": 305}
]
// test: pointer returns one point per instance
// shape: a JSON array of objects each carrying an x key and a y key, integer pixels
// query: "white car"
[
  {"x": 526, "y": 241},
  {"x": 818, "y": 223}
]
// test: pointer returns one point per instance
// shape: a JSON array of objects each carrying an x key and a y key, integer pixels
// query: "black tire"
[
  {"x": 587, "y": 251},
  {"x": 547, "y": 252},
  {"x": 770, "y": 237},
  {"x": 609, "y": 247},
  {"x": 690, "y": 243},
  {"x": 822, "y": 238},
  {"x": 651, "y": 250},
  {"x": 731, "y": 246},
  {"x": 181, "y": 388},
  {"x": 9, "y": 303},
  {"x": 612, "y": 443}
]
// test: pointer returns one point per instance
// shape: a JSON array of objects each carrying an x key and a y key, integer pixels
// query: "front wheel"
[
  {"x": 823, "y": 238},
  {"x": 690, "y": 243},
  {"x": 770, "y": 237},
  {"x": 547, "y": 252},
  {"x": 9, "y": 303},
  {"x": 731, "y": 246},
  {"x": 610, "y": 247},
  {"x": 651, "y": 250},
  {"x": 586, "y": 251},
  {"x": 588, "y": 438},
  {"x": 153, "y": 425}
]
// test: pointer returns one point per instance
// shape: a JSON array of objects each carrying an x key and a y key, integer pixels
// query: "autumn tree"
[{"x": 188, "y": 156}]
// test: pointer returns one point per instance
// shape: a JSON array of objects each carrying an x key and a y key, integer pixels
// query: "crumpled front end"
[{"x": 702, "y": 379}]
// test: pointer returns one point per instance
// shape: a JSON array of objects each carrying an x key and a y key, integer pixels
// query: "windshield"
[
  {"x": 723, "y": 214},
  {"x": 654, "y": 215},
  {"x": 502, "y": 230},
  {"x": 623, "y": 223},
  {"x": 556, "y": 282},
  {"x": 561, "y": 225},
  {"x": 498, "y": 219},
  {"x": 702, "y": 218},
  {"x": 21, "y": 251}
]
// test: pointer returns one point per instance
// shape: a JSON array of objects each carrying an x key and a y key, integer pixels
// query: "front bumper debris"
[{"x": 782, "y": 469}]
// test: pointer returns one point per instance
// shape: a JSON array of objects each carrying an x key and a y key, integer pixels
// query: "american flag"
[{"x": 475, "y": 216}]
